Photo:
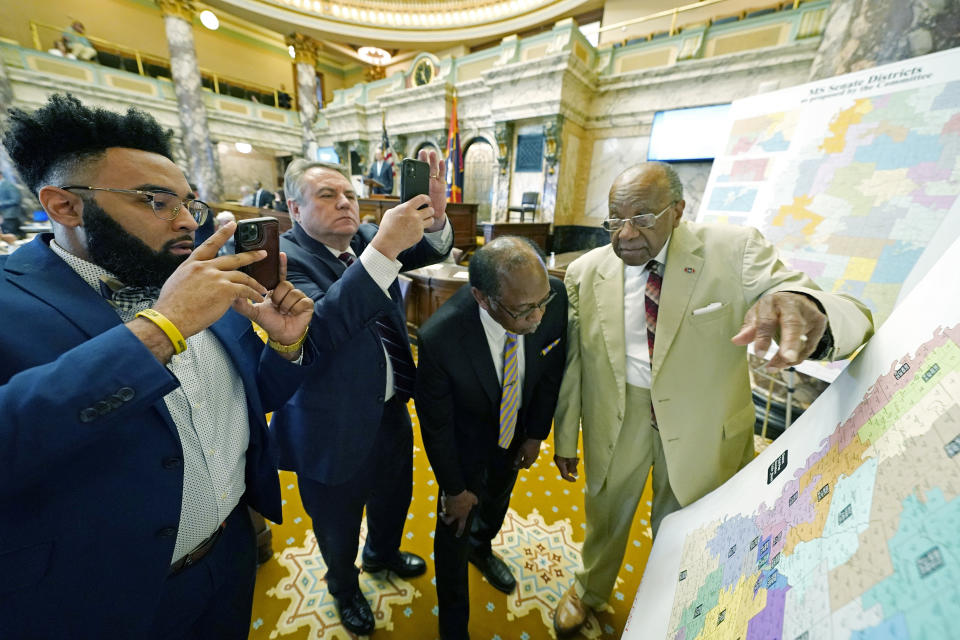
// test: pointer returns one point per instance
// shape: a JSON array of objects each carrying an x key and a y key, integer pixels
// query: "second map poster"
[{"x": 851, "y": 177}]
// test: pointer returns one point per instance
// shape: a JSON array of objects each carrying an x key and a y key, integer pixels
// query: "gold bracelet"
[
  {"x": 157, "y": 318},
  {"x": 288, "y": 348}
]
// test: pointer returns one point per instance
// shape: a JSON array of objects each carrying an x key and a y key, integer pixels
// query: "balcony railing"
[{"x": 118, "y": 56}]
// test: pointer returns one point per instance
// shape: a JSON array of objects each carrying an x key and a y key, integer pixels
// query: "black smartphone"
[
  {"x": 414, "y": 179},
  {"x": 260, "y": 233}
]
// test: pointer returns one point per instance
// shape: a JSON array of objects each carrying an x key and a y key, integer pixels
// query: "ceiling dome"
[{"x": 399, "y": 22}]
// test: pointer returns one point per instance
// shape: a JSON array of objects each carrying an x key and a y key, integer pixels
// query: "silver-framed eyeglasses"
[
  {"x": 642, "y": 221},
  {"x": 164, "y": 204},
  {"x": 516, "y": 315}
]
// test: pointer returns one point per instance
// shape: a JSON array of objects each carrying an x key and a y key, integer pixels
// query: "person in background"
[
  {"x": 262, "y": 198},
  {"x": 382, "y": 172},
  {"x": 490, "y": 364},
  {"x": 246, "y": 195},
  {"x": 133, "y": 392},
  {"x": 283, "y": 98},
  {"x": 60, "y": 49},
  {"x": 78, "y": 44},
  {"x": 347, "y": 432},
  {"x": 10, "y": 208},
  {"x": 280, "y": 199},
  {"x": 657, "y": 373}
]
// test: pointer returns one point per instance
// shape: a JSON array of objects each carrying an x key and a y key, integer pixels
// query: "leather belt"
[{"x": 198, "y": 552}]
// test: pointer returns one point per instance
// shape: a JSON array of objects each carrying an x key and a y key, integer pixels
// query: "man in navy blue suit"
[
  {"x": 347, "y": 432},
  {"x": 133, "y": 391},
  {"x": 382, "y": 172}
]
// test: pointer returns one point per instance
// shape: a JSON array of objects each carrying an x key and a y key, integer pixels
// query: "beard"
[{"x": 125, "y": 256}]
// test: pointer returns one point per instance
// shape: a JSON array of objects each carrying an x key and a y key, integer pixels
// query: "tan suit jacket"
[{"x": 700, "y": 385}]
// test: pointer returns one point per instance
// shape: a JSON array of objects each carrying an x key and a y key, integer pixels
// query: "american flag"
[{"x": 385, "y": 145}]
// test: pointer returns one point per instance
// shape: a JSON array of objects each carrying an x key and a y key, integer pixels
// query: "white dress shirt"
[
  {"x": 635, "y": 321},
  {"x": 496, "y": 338},
  {"x": 384, "y": 271},
  {"x": 209, "y": 409}
]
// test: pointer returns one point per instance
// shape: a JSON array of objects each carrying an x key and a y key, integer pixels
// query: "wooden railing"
[{"x": 141, "y": 58}]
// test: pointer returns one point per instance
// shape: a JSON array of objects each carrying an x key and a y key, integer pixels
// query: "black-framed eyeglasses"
[
  {"x": 516, "y": 315},
  {"x": 642, "y": 221},
  {"x": 165, "y": 205}
]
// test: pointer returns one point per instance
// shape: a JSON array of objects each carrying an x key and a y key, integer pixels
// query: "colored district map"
[
  {"x": 849, "y": 190},
  {"x": 862, "y": 542}
]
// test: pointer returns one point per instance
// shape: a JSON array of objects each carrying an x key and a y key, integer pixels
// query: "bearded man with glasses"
[
  {"x": 656, "y": 370},
  {"x": 133, "y": 390},
  {"x": 491, "y": 359}
]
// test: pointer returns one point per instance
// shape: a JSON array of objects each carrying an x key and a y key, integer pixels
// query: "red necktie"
[
  {"x": 652, "y": 304},
  {"x": 404, "y": 371}
]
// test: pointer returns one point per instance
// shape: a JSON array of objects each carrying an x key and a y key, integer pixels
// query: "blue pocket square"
[{"x": 549, "y": 347}]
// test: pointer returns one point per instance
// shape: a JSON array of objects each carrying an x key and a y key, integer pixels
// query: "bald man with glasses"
[
  {"x": 656, "y": 362},
  {"x": 491, "y": 360}
]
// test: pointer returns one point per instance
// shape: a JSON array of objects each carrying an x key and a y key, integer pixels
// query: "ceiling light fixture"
[
  {"x": 292, "y": 52},
  {"x": 209, "y": 19},
  {"x": 243, "y": 147},
  {"x": 374, "y": 55}
]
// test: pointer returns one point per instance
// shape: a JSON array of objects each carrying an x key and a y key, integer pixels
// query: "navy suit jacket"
[
  {"x": 385, "y": 177},
  {"x": 458, "y": 393},
  {"x": 330, "y": 425},
  {"x": 90, "y": 500}
]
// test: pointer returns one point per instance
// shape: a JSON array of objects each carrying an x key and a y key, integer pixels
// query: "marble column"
[
  {"x": 178, "y": 21},
  {"x": 305, "y": 55},
  {"x": 343, "y": 152},
  {"x": 29, "y": 201},
  {"x": 866, "y": 33},
  {"x": 552, "y": 135},
  {"x": 501, "y": 198}
]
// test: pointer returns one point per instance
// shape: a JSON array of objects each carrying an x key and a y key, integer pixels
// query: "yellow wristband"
[
  {"x": 157, "y": 318},
  {"x": 288, "y": 348}
]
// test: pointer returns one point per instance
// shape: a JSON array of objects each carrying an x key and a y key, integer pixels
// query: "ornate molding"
[
  {"x": 504, "y": 134},
  {"x": 552, "y": 134},
  {"x": 305, "y": 48},
  {"x": 177, "y": 8}
]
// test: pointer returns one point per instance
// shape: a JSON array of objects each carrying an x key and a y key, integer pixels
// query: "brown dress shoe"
[{"x": 571, "y": 613}]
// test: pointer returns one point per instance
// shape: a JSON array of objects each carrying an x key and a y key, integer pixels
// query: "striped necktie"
[
  {"x": 510, "y": 396},
  {"x": 404, "y": 370},
  {"x": 652, "y": 303}
]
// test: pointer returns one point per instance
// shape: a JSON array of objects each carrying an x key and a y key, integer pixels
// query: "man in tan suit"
[{"x": 656, "y": 362}]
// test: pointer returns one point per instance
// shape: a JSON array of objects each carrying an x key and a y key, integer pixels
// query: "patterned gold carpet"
[{"x": 540, "y": 541}]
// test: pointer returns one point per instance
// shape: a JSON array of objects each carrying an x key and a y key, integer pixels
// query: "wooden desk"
[
  {"x": 429, "y": 288},
  {"x": 462, "y": 215},
  {"x": 561, "y": 261},
  {"x": 241, "y": 212},
  {"x": 536, "y": 231}
]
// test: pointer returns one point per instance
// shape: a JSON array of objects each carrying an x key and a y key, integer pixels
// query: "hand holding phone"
[
  {"x": 414, "y": 179},
  {"x": 255, "y": 234}
]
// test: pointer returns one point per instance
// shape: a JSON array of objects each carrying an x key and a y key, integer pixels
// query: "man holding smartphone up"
[
  {"x": 132, "y": 392},
  {"x": 351, "y": 455}
]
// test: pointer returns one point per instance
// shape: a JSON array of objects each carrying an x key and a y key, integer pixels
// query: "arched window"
[{"x": 479, "y": 170}]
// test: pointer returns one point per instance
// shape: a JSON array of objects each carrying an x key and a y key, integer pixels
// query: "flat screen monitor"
[
  {"x": 327, "y": 154},
  {"x": 695, "y": 133}
]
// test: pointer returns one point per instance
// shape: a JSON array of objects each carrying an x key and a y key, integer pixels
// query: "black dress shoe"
[
  {"x": 355, "y": 613},
  {"x": 405, "y": 565},
  {"x": 495, "y": 571}
]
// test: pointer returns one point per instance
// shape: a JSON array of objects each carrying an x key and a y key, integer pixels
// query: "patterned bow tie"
[{"x": 127, "y": 300}]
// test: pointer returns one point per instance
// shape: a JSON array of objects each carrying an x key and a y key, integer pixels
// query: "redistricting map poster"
[
  {"x": 853, "y": 177},
  {"x": 848, "y": 525}
]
